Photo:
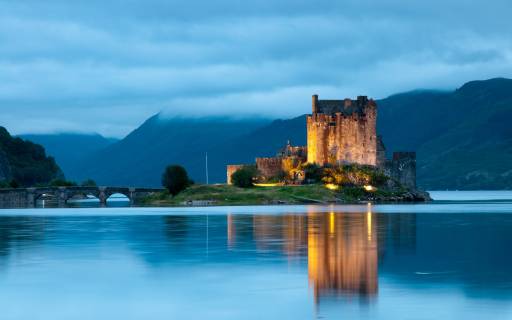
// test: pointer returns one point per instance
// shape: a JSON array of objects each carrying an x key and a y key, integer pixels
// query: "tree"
[
  {"x": 27, "y": 162},
  {"x": 244, "y": 177},
  {"x": 9, "y": 184},
  {"x": 62, "y": 183},
  {"x": 175, "y": 179},
  {"x": 89, "y": 183},
  {"x": 14, "y": 184}
]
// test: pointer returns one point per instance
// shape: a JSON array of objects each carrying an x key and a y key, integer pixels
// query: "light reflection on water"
[{"x": 292, "y": 262}]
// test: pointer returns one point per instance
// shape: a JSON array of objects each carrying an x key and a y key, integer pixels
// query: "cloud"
[{"x": 106, "y": 66}]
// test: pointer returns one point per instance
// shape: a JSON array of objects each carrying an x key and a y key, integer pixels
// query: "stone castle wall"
[
  {"x": 343, "y": 137},
  {"x": 381, "y": 152},
  {"x": 402, "y": 168},
  {"x": 269, "y": 167}
]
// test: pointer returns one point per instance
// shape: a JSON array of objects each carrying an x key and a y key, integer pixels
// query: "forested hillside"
[{"x": 25, "y": 163}]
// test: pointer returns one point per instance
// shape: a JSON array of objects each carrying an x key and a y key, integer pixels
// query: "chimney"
[{"x": 315, "y": 103}]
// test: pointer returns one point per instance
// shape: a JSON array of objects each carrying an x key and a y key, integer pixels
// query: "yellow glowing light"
[
  {"x": 231, "y": 229},
  {"x": 369, "y": 221},
  {"x": 332, "y": 186},
  {"x": 369, "y": 188},
  {"x": 268, "y": 184},
  {"x": 331, "y": 222}
]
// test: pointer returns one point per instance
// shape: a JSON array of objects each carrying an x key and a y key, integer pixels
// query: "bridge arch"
[
  {"x": 77, "y": 195},
  {"x": 63, "y": 194},
  {"x": 110, "y": 191},
  {"x": 115, "y": 196},
  {"x": 82, "y": 191},
  {"x": 45, "y": 195}
]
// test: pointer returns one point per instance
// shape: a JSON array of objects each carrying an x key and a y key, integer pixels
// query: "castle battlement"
[
  {"x": 342, "y": 131},
  {"x": 345, "y": 107}
]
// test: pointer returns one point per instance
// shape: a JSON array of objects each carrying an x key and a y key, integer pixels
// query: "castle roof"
[
  {"x": 346, "y": 106},
  {"x": 289, "y": 151}
]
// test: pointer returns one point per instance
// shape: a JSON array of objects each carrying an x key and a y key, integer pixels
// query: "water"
[
  {"x": 471, "y": 195},
  {"x": 445, "y": 260}
]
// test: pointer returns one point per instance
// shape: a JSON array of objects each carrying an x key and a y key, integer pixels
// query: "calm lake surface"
[{"x": 444, "y": 260}]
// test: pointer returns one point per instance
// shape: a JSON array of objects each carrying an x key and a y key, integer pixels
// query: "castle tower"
[{"x": 342, "y": 131}]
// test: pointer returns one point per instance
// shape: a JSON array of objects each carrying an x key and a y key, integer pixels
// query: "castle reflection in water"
[
  {"x": 342, "y": 249},
  {"x": 342, "y": 252}
]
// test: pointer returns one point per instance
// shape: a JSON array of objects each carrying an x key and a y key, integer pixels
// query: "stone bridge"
[{"x": 27, "y": 197}]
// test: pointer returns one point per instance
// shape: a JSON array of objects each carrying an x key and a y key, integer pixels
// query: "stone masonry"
[
  {"x": 27, "y": 197},
  {"x": 269, "y": 167},
  {"x": 342, "y": 131},
  {"x": 402, "y": 168}
]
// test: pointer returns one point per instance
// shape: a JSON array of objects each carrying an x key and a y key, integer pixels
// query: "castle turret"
[
  {"x": 315, "y": 104},
  {"x": 342, "y": 131}
]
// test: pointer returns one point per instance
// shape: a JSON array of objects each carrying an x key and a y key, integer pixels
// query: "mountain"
[
  {"x": 140, "y": 158},
  {"x": 462, "y": 137},
  {"x": 25, "y": 162},
  {"x": 262, "y": 142},
  {"x": 69, "y": 149}
]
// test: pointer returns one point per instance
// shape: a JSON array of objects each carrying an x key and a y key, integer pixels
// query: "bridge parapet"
[
  {"x": 28, "y": 196},
  {"x": 13, "y": 197}
]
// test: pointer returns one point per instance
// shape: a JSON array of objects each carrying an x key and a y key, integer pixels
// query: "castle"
[
  {"x": 338, "y": 132},
  {"x": 342, "y": 131}
]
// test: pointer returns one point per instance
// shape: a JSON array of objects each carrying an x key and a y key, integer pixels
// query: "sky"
[{"x": 105, "y": 66}]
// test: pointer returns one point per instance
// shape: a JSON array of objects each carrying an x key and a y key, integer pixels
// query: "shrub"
[
  {"x": 89, "y": 183},
  {"x": 9, "y": 184},
  {"x": 61, "y": 183},
  {"x": 378, "y": 178},
  {"x": 244, "y": 177},
  {"x": 335, "y": 175},
  {"x": 354, "y": 192},
  {"x": 14, "y": 184},
  {"x": 175, "y": 179},
  {"x": 280, "y": 177},
  {"x": 354, "y": 175},
  {"x": 313, "y": 173}
]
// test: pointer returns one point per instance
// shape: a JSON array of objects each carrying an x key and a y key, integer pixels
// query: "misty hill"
[
  {"x": 462, "y": 137},
  {"x": 140, "y": 158},
  {"x": 25, "y": 162},
  {"x": 69, "y": 149}
]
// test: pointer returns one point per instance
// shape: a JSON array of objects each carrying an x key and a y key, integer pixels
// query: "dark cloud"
[{"x": 107, "y": 65}]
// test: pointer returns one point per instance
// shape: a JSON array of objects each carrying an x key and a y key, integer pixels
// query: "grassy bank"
[{"x": 230, "y": 195}]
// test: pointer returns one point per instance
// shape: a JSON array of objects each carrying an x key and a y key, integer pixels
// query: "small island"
[
  {"x": 223, "y": 195},
  {"x": 344, "y": 162}
]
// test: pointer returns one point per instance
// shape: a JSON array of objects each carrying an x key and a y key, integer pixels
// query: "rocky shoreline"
[{"x": 407, "y": 196}]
